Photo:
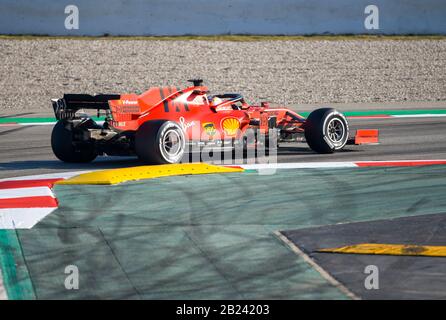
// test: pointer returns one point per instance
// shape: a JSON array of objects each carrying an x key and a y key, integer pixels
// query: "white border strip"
[
  {"x": 22, "y": 218},
  {"x": 332, "y": 165},
  {"x": 26, "y": 192},
  {"x": 36, "y": 123},
  {"x": 424, "y": 115},
  {"x": 302, "y": 165},
  {"x": 61, "y": 175},
  {"x": 401, "y": 161}
]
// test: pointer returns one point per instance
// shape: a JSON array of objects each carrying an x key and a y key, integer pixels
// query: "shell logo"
[{"x": 230, "y": 126}]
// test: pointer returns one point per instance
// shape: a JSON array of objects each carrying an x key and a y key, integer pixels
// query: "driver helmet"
[{"x": 216, "y": 101}]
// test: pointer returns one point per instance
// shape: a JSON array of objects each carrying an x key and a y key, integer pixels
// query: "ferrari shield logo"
[{"x": 209, "y": 128}]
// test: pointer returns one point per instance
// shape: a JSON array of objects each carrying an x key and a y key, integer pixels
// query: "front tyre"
[
  {"x": 160, "y": 142},
  {"x": 326, "y": 130},
  {"x": 65, "y": 149}
]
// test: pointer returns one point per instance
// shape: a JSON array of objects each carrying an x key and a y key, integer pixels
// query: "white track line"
[
  {"x": 402, "y": 161},
  {"x": 45, "y": 123},
  {"x": 25, "y": 192},
  {"x": 37, "y": 123},
  {"x": 62, "y": 175},
  {"x": 317, "y": 267},
  {"x": 302, "y": 165},
  {"x": 425, "y": 115},
  {"x": 332, "y": 165}
]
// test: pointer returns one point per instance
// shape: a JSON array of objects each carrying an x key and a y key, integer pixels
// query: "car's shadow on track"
[
  {"x": 99, "y": 163},
  {"x": 306, "y": 150},
  {"x": 123, "y": 162}
]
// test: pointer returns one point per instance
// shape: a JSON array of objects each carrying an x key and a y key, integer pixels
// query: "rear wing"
[{"x": 66, "y": 107}]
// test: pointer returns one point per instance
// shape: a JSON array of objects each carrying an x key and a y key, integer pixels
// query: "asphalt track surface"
[
  {"x": 26, "y": 150},
  {"x": 402, "y": 277}
]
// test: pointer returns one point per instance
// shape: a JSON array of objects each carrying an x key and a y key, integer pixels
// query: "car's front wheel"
[
  {"x": 160, "y": 142},
  {"x": 326, "y": 130}
]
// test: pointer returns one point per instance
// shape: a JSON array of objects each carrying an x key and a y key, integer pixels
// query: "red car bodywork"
[{"x": 190, "y": 107}]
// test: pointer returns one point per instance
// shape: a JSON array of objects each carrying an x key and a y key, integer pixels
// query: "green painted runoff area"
[{"x": 209, "y": 236}]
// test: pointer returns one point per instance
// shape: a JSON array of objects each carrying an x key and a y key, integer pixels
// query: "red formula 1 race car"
[{"x": 159, "y": 125}]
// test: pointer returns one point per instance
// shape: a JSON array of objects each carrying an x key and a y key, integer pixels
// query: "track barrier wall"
[{"x": 216, "y": 17}]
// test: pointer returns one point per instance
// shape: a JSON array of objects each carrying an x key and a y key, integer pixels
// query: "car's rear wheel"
[
  {"x": 326, "y": 130},
  {"x": 160, "y": 142},
  {"x": 64, "y": 148}
]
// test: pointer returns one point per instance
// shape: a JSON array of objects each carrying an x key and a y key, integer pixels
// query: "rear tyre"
[
  {"x": 326, "y": 130},
  {"x": 160, "y": 142},
  {"x": 64, "y": 148}
]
